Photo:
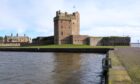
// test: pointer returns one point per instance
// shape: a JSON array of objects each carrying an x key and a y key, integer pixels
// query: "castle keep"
[
  {"x": 67, "y": 31},
  {"x": 65, "y": 25}
]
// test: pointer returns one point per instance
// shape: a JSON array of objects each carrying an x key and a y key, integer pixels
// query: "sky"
[{"x": 97, "y": 17}]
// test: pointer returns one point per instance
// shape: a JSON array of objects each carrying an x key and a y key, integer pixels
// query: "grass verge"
[{"x": 70, "y": 46}]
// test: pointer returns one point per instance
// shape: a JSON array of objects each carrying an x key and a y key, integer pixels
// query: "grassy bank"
[
  {"x": 67, "y": 46},
  {"x": 71, "y": 46},
  {"x": 58, "y": 46}
]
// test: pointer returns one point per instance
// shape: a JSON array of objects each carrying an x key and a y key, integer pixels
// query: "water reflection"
[
  {"x": 50, "y": 68},
  {"x": 78, "y": 68},
  {"x": 67, "y": 68}
]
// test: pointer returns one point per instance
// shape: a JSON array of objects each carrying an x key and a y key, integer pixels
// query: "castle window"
[{"x": 62, "y": 33}]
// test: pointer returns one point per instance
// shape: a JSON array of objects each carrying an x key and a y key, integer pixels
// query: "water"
[
  {"x": 135, "y": 44},
  {"x": 50, "y": 68}
]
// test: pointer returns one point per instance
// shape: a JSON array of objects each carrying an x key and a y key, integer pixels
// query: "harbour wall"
[{"x": 76, "y": 50}]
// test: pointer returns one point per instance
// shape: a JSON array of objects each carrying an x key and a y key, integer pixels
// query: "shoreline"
[{"x": 70, "y": 50}]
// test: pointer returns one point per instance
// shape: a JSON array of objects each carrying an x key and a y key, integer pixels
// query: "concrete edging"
[
  {"x": 117, "y": 74},
  {"x": 78, "y": 50}
]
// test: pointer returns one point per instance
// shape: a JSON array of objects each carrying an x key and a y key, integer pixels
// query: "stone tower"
[{"x": 66, "y": 25}]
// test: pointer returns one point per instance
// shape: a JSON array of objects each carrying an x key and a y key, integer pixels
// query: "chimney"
[{"x": 24, "y": 35}]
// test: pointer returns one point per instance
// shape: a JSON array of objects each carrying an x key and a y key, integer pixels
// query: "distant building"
[
  {"x": 16, "y": 39},
  {"x": 1, "y": 39}
]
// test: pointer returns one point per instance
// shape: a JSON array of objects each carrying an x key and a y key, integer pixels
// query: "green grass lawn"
[{"x": 66, "y": 46}]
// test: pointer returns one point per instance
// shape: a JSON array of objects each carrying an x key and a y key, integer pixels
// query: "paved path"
[
  {"x": 130, "y": 58},
  {"x": 119, "y": 74}
]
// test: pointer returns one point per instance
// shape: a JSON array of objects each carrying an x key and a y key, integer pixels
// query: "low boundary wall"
[{"x": 84, "y": 50}]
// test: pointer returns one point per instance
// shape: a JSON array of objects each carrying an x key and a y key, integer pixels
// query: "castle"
[
  {"x": 67, "y": 31},
  {"x": 65, "y": 25}
]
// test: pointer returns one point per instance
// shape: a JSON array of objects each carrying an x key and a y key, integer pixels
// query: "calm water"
[
  {"x": 135, "y": 44},
  {"x": 50, "y": 68}
]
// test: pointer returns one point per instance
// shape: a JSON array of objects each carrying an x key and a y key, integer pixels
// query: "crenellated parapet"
[{"x": 66, "y": 16}]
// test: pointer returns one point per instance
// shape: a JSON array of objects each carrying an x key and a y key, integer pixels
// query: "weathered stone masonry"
[
  {"x": 67, "y": 31},
  {"x": 65, "y": 25}
]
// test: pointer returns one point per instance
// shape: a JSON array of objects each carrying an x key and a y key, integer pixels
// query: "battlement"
[{"x": 65, "y": 14}]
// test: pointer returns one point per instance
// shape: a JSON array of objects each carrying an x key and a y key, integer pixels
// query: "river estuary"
[{"x": 50, "y": 68}]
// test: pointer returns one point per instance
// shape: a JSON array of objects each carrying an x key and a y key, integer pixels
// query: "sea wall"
[
  {"x": 116, "y": 41},
  {"x": 109, "y": 41},
  {"x": 95, "y": 41},
  {"x": 75, "y": 50}
]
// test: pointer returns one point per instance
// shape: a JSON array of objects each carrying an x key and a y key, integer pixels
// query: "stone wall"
[
  {"x": 85, "y": 40},
  {"x": 95, "y": 41},
  {"x": 43, "y": 40},
  {"x": 79, "y": 39},
  {"x": 109, "y": 41},
  {"x": 116, "y": 41}
]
